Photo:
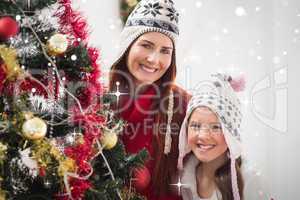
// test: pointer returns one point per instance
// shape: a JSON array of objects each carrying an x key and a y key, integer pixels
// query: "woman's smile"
[{"x": 148, "y": 69}]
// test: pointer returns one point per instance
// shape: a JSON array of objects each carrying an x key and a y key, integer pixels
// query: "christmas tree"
[
  {"x": 58, "y": 136},
  {"x": 126, "y": 7}
]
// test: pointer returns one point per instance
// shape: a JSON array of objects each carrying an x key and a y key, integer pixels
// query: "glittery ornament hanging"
[
  {"x": 43, "y": 105},
  {"x": 25, "y": 45}
]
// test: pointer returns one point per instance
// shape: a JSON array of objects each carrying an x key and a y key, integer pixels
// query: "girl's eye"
[
  {"x": 216, "y": 127},
  {"x": 195, "y": 126}
]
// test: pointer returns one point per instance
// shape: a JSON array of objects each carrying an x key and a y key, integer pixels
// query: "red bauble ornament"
[
  {"x": 8, "y": 28},
  {"x": 141, "y": 178}
]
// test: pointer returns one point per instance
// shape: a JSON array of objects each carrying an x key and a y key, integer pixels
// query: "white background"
[{"x": 260, "y": 38}]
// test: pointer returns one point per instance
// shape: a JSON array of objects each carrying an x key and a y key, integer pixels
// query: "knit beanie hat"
[
  {"x": 149, "y": 16},
  {"x": 218, "y": 94},
  {"x": 152, "y": 16}
]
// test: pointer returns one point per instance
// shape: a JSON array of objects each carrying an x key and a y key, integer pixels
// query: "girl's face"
[
  {"x": 149, "y": 57},
  {"x": 205, "y": 136}
]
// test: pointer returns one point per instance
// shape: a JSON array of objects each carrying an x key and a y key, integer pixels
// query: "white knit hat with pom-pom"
[{"x": 218, "y": 94}]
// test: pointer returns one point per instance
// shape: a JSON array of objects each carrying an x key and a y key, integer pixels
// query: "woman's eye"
[
  {"x": 147, "y": 46},
  {"x": 165, "y": 51}
]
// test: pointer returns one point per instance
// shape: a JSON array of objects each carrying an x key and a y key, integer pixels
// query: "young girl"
[{"x": 209, "y": 143}]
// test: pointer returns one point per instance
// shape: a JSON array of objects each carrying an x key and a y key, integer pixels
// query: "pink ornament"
[{"x": 238, "y": 83}]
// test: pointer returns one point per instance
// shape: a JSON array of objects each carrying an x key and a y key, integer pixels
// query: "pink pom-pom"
[{"x": 238, "y": 83}]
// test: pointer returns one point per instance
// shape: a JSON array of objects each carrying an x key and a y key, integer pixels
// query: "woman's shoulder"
[
  {"x": 180, "y": 91},
  {"x": 181, "y": 95},
  {"x": 181, "y": 99}
]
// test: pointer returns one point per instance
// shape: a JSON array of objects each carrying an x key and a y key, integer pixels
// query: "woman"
[{"x": 151, "y": 104}]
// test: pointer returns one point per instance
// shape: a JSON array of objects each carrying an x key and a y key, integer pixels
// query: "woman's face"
[
  {"x": 149, "y": 57},
  {"x": 205, "y": 136}
]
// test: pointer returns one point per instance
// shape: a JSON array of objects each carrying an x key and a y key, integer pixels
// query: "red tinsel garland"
[
  {"x": 71, "y": 22},
  {"x": 94, "y": 86},
  {"x": 90, "y": 121},
  {"x": 78, "y": 189},
  {"x": 75, "y": 26},
  {"x": 83, "y": 152},
  {"x": 96, "y": 73},
  {"x": 2, "y": 77}
]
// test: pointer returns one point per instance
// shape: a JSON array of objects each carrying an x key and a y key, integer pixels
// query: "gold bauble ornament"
[
  {"x": 34, "y": 129},
  {"x": 57, "y": 44},
  {"x": 109, "y": 140},
  {"x": 131, "y": 3}
]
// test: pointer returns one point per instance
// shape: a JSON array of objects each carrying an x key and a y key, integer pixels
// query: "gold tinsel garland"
[
  {"x": 3, "y": 150},
  {"x": 11, "y": 66},
  {"x": 46, "y": 153}
]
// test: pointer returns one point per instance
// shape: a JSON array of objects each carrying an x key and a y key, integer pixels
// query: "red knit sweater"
[{"x": 139, "y": 134}]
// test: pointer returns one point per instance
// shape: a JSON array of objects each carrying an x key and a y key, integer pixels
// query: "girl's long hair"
[
  {"x": 164, "y": 168},
  {"x": 223, "y": 179}
]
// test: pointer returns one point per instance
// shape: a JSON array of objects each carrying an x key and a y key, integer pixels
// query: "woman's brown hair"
[{"x": 164, "y": 169}]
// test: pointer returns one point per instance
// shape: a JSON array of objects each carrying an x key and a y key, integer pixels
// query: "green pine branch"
[{"x": 8, "y": 8}]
